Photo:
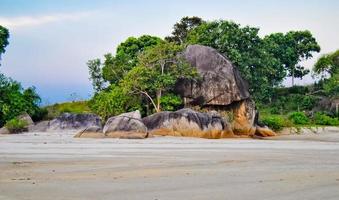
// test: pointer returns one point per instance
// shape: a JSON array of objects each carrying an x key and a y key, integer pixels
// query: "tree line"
[{"x": 143, "y": 70}]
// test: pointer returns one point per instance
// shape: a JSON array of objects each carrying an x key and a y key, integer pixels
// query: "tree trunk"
[
  {"x": 158, "y": 100},
  {"x": 292, "y": 77}
]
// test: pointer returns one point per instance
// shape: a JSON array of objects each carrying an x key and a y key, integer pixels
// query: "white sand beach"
[{"x": 57, "y": 166}]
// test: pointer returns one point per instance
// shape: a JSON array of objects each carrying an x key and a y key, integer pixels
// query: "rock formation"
[
  {"x": 220, "y": 88},
  {"x": 187, "y": 122}
]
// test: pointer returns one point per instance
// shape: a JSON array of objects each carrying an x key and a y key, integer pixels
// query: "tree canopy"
[
  {"x": 327, "y": 63},
  {"x": 115, "y": 67},
  {"x": 291, "y": 48},
  {"x": 182, "y": 28},
  {"x": 4, "y": 35}
]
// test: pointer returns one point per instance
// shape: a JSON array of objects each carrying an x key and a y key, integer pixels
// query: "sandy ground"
[{"x": 56, "y": 166}]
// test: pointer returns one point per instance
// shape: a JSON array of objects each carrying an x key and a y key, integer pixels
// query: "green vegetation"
[
  {"x": 323, "y": 119},
  {"x": 158, "y": 70},
  {"x": 113, "y": 101},
  {"x": 4, "y": 35},
  {"x": 16, "y": 125},
  {"x": 14, "y": 100},
  {"x": 276, "y": 122},
  {"x": 299, "y": 118},
  {"x": 69, "y": 107}
]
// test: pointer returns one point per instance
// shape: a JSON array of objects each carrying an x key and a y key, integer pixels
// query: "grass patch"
[{"x": 77, "y": 107}]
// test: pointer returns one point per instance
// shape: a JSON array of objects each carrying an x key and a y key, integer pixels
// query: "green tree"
[
  {"x": 95, "y": 72},
  {"x": 328, "y": 63},
  {"x": 115, "y": 67},
  {"x": 181, "y": 29},
  {"x": 14, "y": 100},
  {"x": 157, "y": 71},
  {"x": 4, "y": 35},
  {"x": 291, "y": 48}
]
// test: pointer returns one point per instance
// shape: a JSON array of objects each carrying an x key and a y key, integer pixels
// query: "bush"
[
  {"x": 170, "y": 102},
  {"x": 16, "y": 125},
  {"x": 299, "y": 118},
  {"x": 323, "y": 119},
  {"x": 113, "y": 102},
  {"x": 275, "y": 122}
]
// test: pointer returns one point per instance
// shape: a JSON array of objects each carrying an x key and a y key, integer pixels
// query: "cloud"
[{"x": 29, "y": 21}]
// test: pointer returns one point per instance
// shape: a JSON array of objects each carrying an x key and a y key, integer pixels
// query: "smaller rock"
[
  {"x": 90, "y": 132},
  {"x": 126, "y": 125},
  {"x": 25, "y": 117},
  {"x": 39, "y": 127},
  {"x": 4, "y": 130},
  {"x": 264, "y": 132}
]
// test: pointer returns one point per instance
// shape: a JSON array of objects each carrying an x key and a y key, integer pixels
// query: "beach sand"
[{"x": 44, "y": 166}]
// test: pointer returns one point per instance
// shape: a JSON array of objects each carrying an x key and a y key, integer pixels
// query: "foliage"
[
  {"x": 181, "y": 29},
  {"x": 113, "y": 101},
  {"x": 69, "y": 107},
  {"x": 331, "y": 85},
  {"x": 116, "y": 67},
  {"x": 291, "y": 48},
  {"x": 14, "y": 100},
  {"x": 16, "y": 125},
  {"x": 170, "y": 102},
  {"x": 158, "y": 70},
  {"x": 275, "y": 122},
  {"x": 328, "y": 63},
  {"x": 299, "y": 118},
  {"x": 323, "y": 119},
  {"x": 4, "y": 35},
  {"x": 95, "y": 72}
]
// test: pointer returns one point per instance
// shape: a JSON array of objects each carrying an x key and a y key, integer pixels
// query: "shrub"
[
  {"x": 16, "y": 125},
  {"x": 275, "y": 122},
  {"x": 323, "y": 119},
  {"x": 170, "y": 102},
  {"x": 113, "y": 102},
  {"x": 299, "y": 118}
]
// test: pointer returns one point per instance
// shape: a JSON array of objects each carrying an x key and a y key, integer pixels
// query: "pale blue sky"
[{"x": 51, "y": 41}]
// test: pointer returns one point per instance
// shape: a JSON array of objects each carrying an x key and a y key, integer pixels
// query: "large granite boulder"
[
  {"x": 188, "y": 123},
  {"x": 68, "y": 121},
  {"x": 220, "y": 84},
  {"x": 127, "y": 125}
]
